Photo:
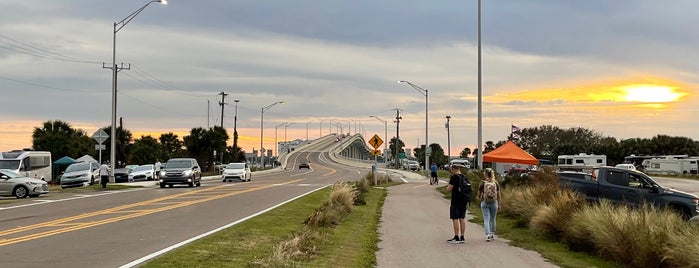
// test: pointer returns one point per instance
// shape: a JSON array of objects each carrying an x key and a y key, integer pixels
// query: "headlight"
[
  {"x": 33, "y": 183},
  {"x": 187, "y": 172},
  {"x": 162, "y": 173}
]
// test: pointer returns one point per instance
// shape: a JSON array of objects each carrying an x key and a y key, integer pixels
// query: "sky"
[{"x": 624, "y": 68}]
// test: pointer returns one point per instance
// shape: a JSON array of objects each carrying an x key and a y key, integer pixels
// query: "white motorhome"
[
  {"x": 671, "y": 165},
  {"x": 581, "y": 161},
  {"x": 33, "y": 164}
]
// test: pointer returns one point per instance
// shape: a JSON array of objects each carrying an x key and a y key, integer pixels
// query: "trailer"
[
  {"x": 581, "y": 162},
  {"x": 671, "y": 165},
  {"x": 33, "y": 164}
]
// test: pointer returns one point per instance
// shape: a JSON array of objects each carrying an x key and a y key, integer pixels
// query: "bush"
[
  {"x": 551, "y": 219},
  {"x": 342, "y": 197}
]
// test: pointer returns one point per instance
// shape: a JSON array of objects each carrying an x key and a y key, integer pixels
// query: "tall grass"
[{"x": 551, "y": 218}]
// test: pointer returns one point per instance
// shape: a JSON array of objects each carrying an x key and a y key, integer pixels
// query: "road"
[{"x": 111, "y": 229}]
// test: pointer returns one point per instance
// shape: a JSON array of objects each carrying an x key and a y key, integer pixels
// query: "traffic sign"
[
  {"x": 100, "y": 147},
  {"x": 375, "y": 141},
  {"x": 100, "y": 136},
  {"x": 375, "y": 152}
]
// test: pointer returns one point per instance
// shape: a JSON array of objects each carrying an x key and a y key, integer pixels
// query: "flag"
[{"x": 515, "y": 133}]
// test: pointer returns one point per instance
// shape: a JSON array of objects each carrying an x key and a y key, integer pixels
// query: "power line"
[{"x": 24, "y": 48}]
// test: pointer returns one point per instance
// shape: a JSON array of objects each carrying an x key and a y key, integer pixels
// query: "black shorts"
[
  {"x": 434, "y": 174},
  {"x": 457, "y": 211}
]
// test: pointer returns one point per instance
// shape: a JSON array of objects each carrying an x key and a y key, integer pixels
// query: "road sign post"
[
  {"x": 100, "y": 136},
  {"x": 375, "y": 142}
]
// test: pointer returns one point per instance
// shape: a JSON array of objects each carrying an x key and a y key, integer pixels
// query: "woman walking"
[{"x": 489, "y": 194}]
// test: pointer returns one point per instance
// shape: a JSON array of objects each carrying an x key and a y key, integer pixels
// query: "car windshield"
[
  {"x": 9, "y": 164},
  {"x": 143, "y": 168},
  {"x": 10, "y": 174},
  {"x": 179, "y": 164},
  {"x": 78, "y": 167},
  {"x": 235, "y": 166}
]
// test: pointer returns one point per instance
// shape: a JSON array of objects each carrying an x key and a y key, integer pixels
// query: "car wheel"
[
  {"x": 199, "y": 183},
  {"x": 20, "y": 192},
  {"x": 191, "y": 184}
]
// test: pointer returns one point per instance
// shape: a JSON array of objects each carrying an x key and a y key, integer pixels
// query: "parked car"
[
  {"x": 180, "y": 171},
  {"x": 80, "y": 174},
  {"x": 13, "y": 184},
  {"x": 121, "y": 174},
  {"x": 626, "y": 166},
  {"x": 143, "y": 173},
  {"x": 305, "y": 164},
  {"x": 238, "y": 171}
]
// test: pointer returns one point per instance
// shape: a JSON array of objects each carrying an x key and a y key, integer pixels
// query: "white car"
[
  {"x": 142, "y": 173},
  {"x": 626, "y": 166},
  {"x": 13, "y": 184},
  {"x": 238, "y": 171},
  {"x": 80, "y": 174}
]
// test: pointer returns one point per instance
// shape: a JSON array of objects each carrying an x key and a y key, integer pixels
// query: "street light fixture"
[
  {"x": 262, "y": 131},
  {"x": 117, "y": 27},
  {"x": 427, "y": 144},
  {"x": 385, "y": 133}
]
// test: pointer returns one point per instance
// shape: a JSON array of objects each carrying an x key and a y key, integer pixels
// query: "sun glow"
[{"x": 651, "y": 93}]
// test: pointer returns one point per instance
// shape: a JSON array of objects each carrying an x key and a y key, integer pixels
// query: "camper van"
[
  {"x": 581, "y": 161},
  {"x": 28, "y": 163},
  {"x": 671, "y": 165}
]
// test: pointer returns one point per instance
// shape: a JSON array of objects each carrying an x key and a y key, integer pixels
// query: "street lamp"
[
  {"x": 262, "y": 131},
  {"x": 448, "y": 139},
  {"x": 385, "y": 133},
  {"x": 235, "y": 132},
  {"x": 117, "y": 27},
  {"x": 427, "y": 144},
  {"x": 275, "y": 138}
]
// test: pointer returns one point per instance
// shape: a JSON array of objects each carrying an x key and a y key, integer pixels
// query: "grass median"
[{"x": 351, "y": 243}]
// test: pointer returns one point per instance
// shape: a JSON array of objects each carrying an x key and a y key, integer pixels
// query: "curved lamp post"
[
  {"x": 427, "y": 144},
  {"x": 262, "y": 131},
  {"x": 117, "y": 27}
]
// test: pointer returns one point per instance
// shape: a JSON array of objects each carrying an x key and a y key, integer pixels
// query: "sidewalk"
[{"x": 415, "y": 226}]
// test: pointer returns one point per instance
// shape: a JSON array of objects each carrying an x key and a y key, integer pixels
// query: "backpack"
[
  {"x": 464, "y": 187},
  {"x": 490, "y": 192}
]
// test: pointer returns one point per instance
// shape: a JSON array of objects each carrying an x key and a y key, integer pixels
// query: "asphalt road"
[{"x": 116, "y": 228}]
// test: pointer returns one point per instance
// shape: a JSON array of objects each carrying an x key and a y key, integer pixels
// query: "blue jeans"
[{"x": 489, "y": 215}]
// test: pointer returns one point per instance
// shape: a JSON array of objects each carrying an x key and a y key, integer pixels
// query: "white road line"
[
  {"x": 180, "y": 244},
  {"x": 77, "y": 196}
]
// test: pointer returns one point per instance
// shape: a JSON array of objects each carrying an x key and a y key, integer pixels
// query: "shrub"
[
  {"x": 342, "y": 196},
  {"x": 550, "y": 219}
]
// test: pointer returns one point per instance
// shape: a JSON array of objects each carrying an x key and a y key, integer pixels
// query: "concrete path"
[{"x": 415, "y": 226}]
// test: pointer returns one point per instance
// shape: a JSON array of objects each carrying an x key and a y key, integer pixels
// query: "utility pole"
[
  {"x": 397, "y": 143},
  {"x": 448, "y": 140},
  {"x": 222, "y": 102},
  {"x": 236, "y": 152}
]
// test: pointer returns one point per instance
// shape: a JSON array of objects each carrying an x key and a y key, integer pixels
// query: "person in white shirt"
[{"x": 104, "y": 175}]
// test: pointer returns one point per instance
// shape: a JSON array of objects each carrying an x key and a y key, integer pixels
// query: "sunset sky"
[{"x": 625, "y": 68}]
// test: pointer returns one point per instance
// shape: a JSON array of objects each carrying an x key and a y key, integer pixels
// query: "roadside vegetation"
[
  {"x": 564, "y": 228},
  {"x": 334, "y": 225}
]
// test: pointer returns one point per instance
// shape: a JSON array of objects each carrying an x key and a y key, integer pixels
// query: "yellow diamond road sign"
[
  {"x": 376, "y": 152},
  {"x": 375, "y": 141}
]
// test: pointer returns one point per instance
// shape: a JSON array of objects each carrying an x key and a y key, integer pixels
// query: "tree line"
[
  {"x": 61, "y": 139},
  {"x": 548, "y": 142}
]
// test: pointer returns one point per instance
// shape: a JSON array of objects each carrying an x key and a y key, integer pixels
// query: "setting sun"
[{"x": 651, "y": 93}]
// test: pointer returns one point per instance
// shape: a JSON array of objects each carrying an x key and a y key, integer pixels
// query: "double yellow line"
[{"x": 68, "y": 225}]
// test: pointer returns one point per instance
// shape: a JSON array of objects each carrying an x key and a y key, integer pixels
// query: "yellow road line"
[{"x": 78, "y": 226}]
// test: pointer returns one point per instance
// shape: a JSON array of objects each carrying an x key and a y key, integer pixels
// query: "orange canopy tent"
[{"x": 510, "y": 153}]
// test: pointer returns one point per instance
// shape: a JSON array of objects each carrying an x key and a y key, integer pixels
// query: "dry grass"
[
  {"x": 342, "y": 197},
  {"x": 636, "y": 237},
  {"x": 552, "y": 217}
]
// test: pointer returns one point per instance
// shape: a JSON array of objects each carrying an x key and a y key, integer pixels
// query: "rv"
[
  {"x": 671, "y": 165},
  {"x": 33, "y": 164},
  {"x": 581, "y": 162}
]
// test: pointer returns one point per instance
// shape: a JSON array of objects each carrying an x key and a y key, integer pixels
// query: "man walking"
[
  {"x": 104, "y": 175},
  {"x": 433, "y": 174}
]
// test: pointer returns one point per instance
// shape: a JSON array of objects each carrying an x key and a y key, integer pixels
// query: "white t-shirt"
[{"x": 104, "y": 170}]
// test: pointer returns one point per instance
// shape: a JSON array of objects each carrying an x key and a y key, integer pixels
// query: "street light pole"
[
  {"x": 117, "y": 27},
  {"x": 479, "y": 159},
  {"x": 427, "y": 144},
  {"x": 286, "y": 142},
  {"x": 235, "y": 132},
  {"x": 262, "y": 131}
]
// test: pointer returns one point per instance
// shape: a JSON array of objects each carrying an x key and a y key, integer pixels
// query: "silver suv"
[{"x": 180, "y": 171}]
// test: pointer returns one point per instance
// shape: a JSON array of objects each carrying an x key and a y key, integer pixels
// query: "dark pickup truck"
[{"x": 629, "y": 187}]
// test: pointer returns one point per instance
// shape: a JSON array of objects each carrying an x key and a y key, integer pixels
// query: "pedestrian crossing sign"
[{"x": 375, "y": 141}]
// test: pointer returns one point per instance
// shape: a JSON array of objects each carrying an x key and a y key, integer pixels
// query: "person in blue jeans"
[
  {"x": 433, "y": 173},
  {"x": 489, "y": 194}
]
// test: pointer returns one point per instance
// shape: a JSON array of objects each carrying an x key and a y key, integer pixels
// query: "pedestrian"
[
  {"x": 459, "y": 202},
  {"x": 433, "y": 173},
  {"x": 157, "y": 167},
  {"x": 489, "y": 194},
  {"x": 104, "y": 175}
]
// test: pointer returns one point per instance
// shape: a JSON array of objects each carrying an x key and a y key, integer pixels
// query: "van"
[{"x": 80, "y": 174}]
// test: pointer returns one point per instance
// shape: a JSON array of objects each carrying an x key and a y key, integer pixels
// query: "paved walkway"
[{"x": 415, "y": 226}]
